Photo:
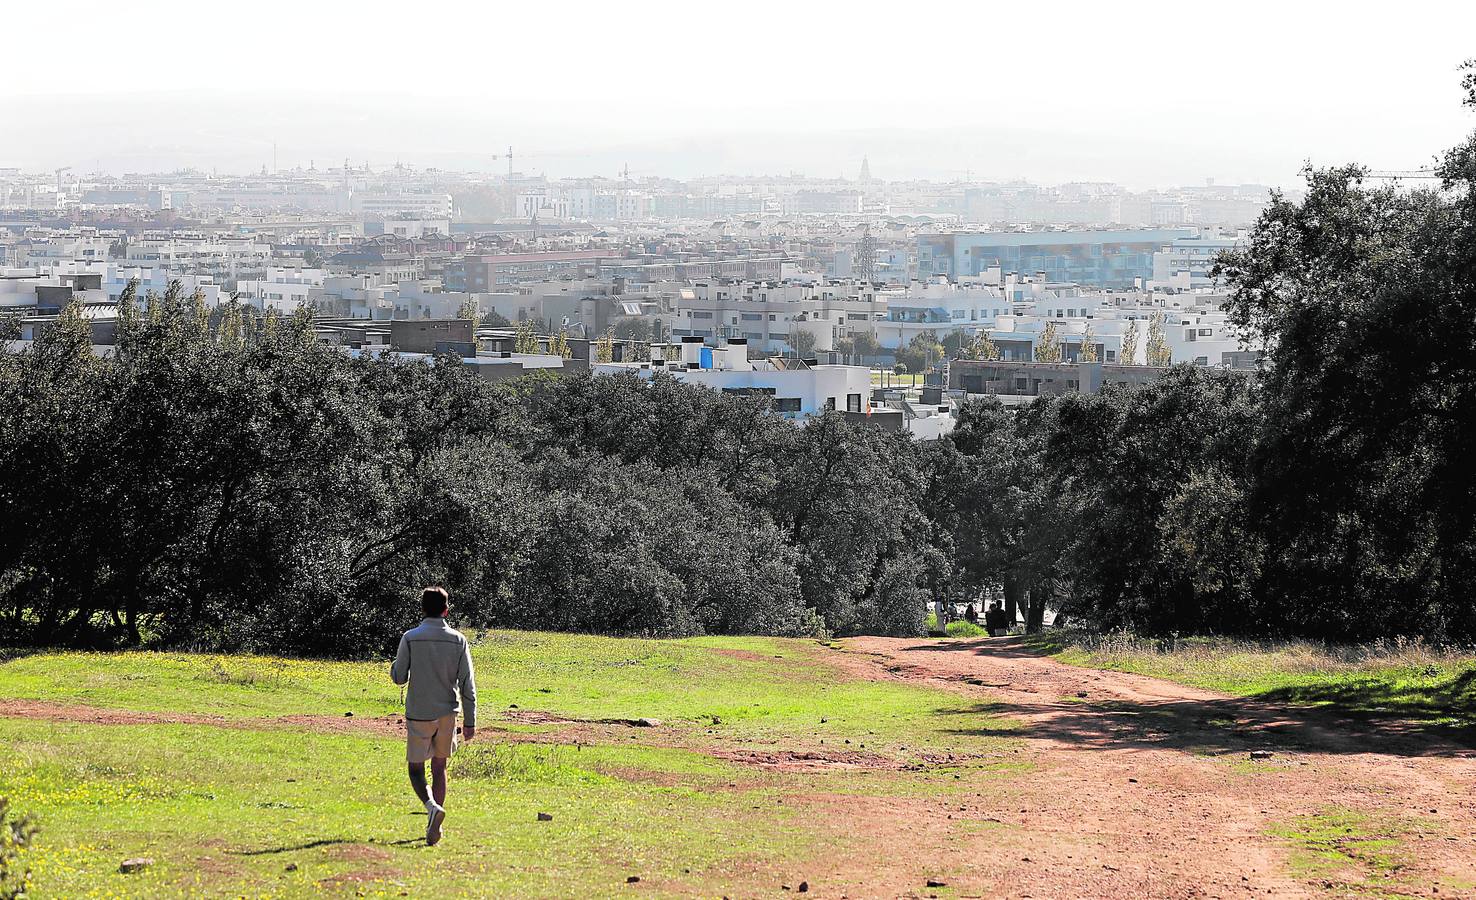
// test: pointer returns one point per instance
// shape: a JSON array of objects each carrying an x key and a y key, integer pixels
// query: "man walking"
[{"x": 436, "y": 660}]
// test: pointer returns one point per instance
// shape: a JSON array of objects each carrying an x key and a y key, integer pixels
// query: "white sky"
[{"x": 1145, "y": 93}]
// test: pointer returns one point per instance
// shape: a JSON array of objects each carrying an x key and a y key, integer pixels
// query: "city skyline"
[{"x": 1040, "y": 95}]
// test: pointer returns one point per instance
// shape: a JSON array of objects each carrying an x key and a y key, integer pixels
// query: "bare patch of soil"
[
  {"x": 538, "y": 717},
  {"x": 96, "y": 715},
  {"x": 735, "y": 653},
  {"x": 807, "y": 760},
  {"x": 357, "y": 853},
  {"x": 1142, "y": 787}
]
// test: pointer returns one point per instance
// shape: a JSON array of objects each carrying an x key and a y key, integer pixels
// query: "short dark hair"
[{"x": 434, "y": 601}]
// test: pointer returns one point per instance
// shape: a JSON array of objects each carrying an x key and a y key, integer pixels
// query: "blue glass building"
[{"x": 1108, "y": 259}]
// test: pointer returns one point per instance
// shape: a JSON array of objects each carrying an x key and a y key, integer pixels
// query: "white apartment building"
[
  {"x": 59, "y": 251},
  {"x": 764, "y": 314},
  {"x": 939, "y": 307},
  {"x": 406, "y": 227},
  {"x": 155, "y": 279},
  {"x": 101, "y": 282},
  {"x": 420, "y": 205},
  {"x": 798, "y": 390},
  {"x": 1195, "y": 329},
  {"x": 586, "y": 204},
  {"x": 283, "y": 289},
  {"x": 226, "y": 257},
  {"x": 1186, "y": 263},
  {"x": 364, "y": 297},
  {"x": 29, "y": 288},
  {"x": 1018, "y": 337},
  {"x": 545, "y": 205},
  {"x": 1201, "y": 337}
]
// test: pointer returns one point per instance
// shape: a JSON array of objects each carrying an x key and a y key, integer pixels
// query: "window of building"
[
  {"x": 787, "y": 404},
  {"x": 830, "y": 403},
  {"x": 853, "y": 403},
  {"x": 701, "y": 315}
]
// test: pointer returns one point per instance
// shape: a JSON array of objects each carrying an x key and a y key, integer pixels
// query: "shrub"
[{"x": 16, "y": 836}]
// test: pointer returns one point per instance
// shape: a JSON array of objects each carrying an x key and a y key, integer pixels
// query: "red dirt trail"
[{"x": 1144, "y": 788}]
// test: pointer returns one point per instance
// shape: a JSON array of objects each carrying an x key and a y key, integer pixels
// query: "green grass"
[
  {"x": 892, "y": 380},
  {"x": 749, "y": 685},
  {"x": 1362, "y": 853},
  {"x": 1402, "y": 679},
  {"x": 278, "y": 808},
  {"x": 965, "y": 629}
]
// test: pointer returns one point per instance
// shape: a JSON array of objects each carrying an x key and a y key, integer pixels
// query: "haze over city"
[{"x": 1145, "y": 94}]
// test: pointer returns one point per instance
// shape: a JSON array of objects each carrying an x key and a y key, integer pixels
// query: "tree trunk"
[
  {"x": 1035, "y": 610},
  {"x": 1014, "y": 593},
  {"x": 130, "y": 618}
]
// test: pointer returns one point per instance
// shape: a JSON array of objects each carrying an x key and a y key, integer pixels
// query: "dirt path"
[
  {"x": 1144, "y": 788},
  {"x": 97, "y": 715}
]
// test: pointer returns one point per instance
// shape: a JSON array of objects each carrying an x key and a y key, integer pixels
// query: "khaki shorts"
[{"x": 425, "y": 738}]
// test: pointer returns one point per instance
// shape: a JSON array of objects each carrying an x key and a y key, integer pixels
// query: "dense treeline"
[
  {"x": 229, "y": 482},
  {"x": 239, "y": 485},
  {"x": 1330, "y": 495}
]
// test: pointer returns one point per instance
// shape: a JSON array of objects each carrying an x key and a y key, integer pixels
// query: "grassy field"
[
  {"x": 1407, "y": 680},
  {"x": 239, "y": 799}
]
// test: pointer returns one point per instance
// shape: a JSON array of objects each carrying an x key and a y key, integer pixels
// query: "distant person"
[
  {"x": 971, "y": 614},
  {"x": 436, "y": 660},
  {"x": 995, "y": 620}
]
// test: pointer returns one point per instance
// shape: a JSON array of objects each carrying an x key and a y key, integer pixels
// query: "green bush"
[
  {"x": 16, "y": 836},
  {"x": 963, "y": 628}
]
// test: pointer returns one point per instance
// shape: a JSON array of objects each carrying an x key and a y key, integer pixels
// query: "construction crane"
[{"x": 509, "y": 157}]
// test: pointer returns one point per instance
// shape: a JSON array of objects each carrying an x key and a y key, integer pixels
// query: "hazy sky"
[{"x": 1145, "y": 93}]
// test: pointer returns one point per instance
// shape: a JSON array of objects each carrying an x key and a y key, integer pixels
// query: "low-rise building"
[
  {"x": 283, "y": 289},
  {"x": 797, "y": 388},
  {"x": 1007, "y": 379}
]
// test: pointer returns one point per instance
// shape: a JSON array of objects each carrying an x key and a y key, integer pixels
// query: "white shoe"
[{"x": 435, "y": 815}]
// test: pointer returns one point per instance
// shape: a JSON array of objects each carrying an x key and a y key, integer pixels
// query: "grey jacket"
[{"x": 436, "y": 660}]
